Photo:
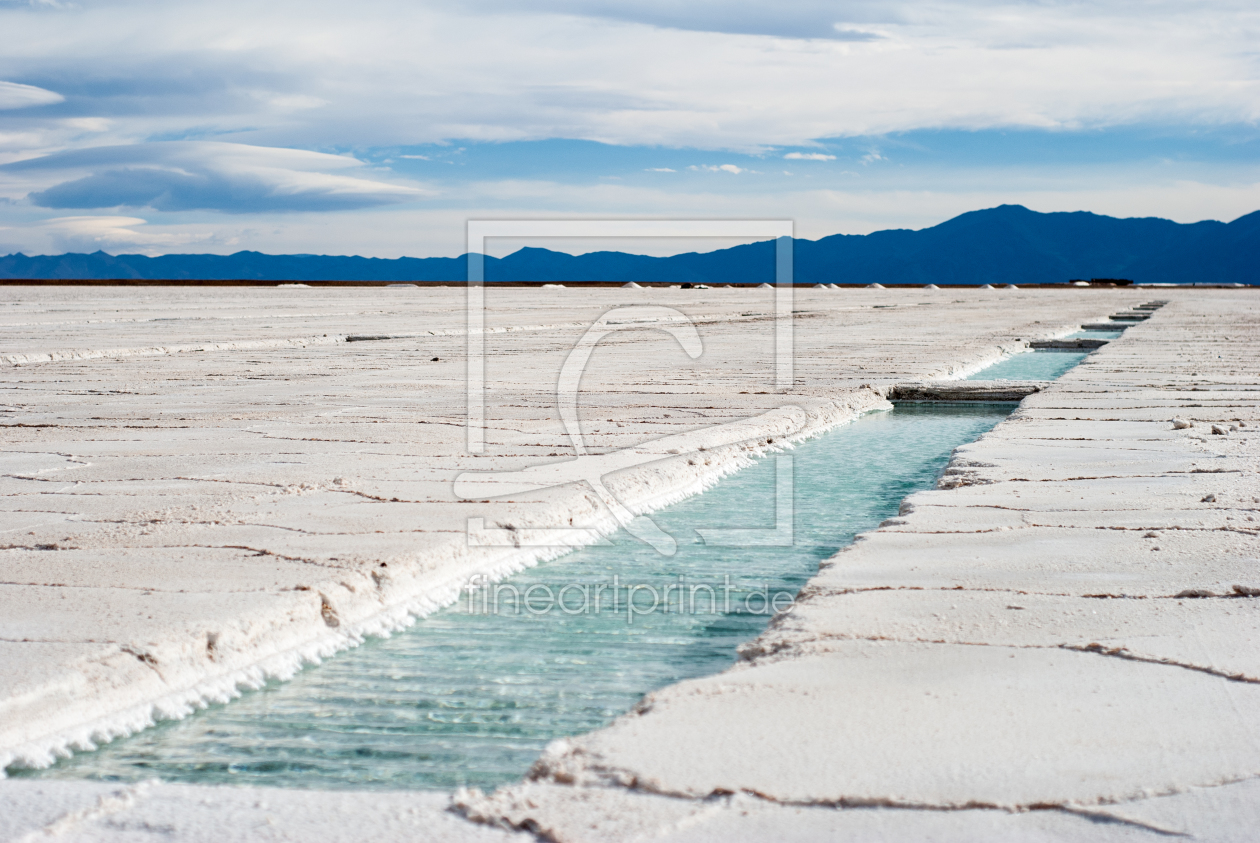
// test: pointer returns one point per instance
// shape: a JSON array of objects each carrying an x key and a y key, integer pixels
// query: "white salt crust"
[
  {"x": 1059, "y": 642},
  {"x": 134, "y": 708},
  {"x": 842, "y": 343}
]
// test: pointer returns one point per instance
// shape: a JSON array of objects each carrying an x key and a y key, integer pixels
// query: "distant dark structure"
[{"x": 1005, "y": 245}]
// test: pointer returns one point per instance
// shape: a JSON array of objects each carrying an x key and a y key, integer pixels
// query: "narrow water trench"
[
  {"x": 472, "y": 694},
  {"x": 1030, "y": 366},
  {"x": 1042, "y": 365}
]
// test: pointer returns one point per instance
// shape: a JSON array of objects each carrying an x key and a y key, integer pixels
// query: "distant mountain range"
[{"x": 1007, "y": 244}]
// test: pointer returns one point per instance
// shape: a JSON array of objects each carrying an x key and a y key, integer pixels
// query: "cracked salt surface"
[
  {"x": 1056, "y": 643},
  {"x": 1088, "y": 510},
  {"x": 471, "y": 697}
]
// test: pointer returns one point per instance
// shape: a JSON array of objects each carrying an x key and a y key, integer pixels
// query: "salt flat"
[
  {"x": 1063, "y": 633},
  {"x": 203, "y": 488}
]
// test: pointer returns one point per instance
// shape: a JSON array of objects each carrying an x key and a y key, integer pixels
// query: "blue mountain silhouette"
[{"x": 1007, "y": 244}]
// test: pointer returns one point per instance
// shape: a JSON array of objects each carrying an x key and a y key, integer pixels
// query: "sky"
[{"x": 380, "y": 127}]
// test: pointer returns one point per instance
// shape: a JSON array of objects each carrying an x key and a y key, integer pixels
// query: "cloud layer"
[
  {"x": 13, "y": 95},
  {"x": 824, "y": 19},
  {"x": 321, "y": 74},
  {"x": 184, "y": 176},
  {"x": 89, "y": 233},
  {"x": 194, "y": 109}
]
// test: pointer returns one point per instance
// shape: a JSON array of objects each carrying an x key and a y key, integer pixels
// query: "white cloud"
[
  {"x": 719, "y": 168},
  {"x": 87, "y": 124},
  {"x": 112, "y": 233},
  {"x": 394, "y": 73},
  {"x": 798, "y": 19},
  {"x": 851, "y": 33},
  {"x": 188, "y": 175},
  {"x": 660, "y": 170},
  {"x": 872, "y": 156},
  {"x": 13, "y": 95},
  {"x": 293, "y": 102},
  {"x": 31, "y": 137},
  {"x": 809, "y": 156}
]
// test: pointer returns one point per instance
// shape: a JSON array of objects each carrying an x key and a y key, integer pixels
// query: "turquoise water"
[
  {"x": 470, "y": 697},
  {"x": 1041, "y": 365},
  {"x": 1097, "y": 335},
  {"x": 1030, "y": 366}
]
